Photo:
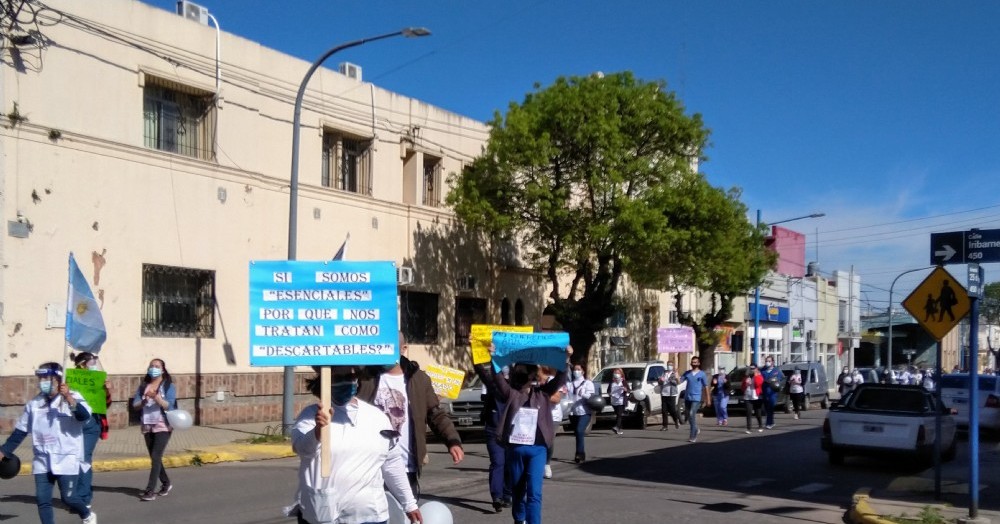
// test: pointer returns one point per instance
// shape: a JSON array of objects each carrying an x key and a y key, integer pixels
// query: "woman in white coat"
[{"x": 54, "y": 418}]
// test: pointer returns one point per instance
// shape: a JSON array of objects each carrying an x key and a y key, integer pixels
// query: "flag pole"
[{"x": 69, "y": 304}]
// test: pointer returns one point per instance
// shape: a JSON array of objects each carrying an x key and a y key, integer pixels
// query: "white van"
[{"x": 955, "y": 394}]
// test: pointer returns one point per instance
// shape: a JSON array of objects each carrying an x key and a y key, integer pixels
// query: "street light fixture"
[
  {"x": 756, "y": 293},
  {"x": 288, "y": 396}
]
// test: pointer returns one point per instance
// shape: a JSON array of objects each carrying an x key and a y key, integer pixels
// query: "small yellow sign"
[
  {"x": 939, "y": 303},
  {"x": 481, "y": 336},
  {"x": 447, "y": 382}
]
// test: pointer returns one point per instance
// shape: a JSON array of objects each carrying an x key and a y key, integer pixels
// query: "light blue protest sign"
[
  {"x": 546, "y": 349},
  {"x": 327, "y": 313}
]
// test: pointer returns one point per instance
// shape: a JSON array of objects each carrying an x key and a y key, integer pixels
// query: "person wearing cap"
[
  {"x": 95, "y": 428},
  {"x": 54, "y": 418},
  {"x": 363, "y": 456}
]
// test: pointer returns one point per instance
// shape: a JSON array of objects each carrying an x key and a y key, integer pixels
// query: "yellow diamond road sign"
[{"x": 938, "y": 303}]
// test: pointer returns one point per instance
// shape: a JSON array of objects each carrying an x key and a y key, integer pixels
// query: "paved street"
[{"x": 726, "y": 476}]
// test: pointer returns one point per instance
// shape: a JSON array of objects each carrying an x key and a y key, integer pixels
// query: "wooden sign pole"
[{"x": 326, "y": 465}]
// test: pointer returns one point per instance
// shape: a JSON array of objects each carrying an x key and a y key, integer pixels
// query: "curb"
[
  {"x": 192, "y": 457},
  {"x": 861, "y": 511}
]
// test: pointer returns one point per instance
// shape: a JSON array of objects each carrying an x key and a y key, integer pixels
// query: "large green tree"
[{"x": 594, "y": 178}]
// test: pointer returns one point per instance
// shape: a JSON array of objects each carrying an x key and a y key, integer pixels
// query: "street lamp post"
[
  {"x": 756, "y": 293},
  {"x": 288, "y": 393},
  {"x": 888, "y": 360}
]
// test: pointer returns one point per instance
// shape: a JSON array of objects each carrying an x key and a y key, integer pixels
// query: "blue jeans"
[
  {"x": 580, "y": 423},
  {"x": 67, "y": 492},
  {"x": 527, "y": 466},
  {"x": 721, "y": 407},
  {"x": 91, "y": 434},
  {"x": 692, "y": 407},
  {"x": 499, "y": 480},
  {"x": 770, "y": 399}
]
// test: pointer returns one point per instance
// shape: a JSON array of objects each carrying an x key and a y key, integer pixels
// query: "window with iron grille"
[
  {"x": 432, "y": 181},
  {"x": 177, "y": 302},
  {"x": 419, "y": 316},
  {"x": 178, "y": 119},
  {"x": 347, "y": 163}
]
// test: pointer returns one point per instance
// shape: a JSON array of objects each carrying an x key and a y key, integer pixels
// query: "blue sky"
[{"x": 883, "y": 115}]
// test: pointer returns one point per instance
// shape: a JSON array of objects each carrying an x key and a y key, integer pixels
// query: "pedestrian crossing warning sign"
[{"x": 939, "y": 303}]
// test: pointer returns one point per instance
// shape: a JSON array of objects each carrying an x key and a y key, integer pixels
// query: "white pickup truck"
[{"x": 878, "y": 419}]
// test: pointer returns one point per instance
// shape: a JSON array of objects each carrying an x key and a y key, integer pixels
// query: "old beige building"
[{"x": 166, "y": 172}]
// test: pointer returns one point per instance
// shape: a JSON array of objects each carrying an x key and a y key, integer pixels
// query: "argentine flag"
[{"x": 84, "y": 324}]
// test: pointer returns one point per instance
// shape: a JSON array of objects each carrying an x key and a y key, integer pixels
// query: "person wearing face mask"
[
  {"x": 720, "y": 397},
  {"x": 406, "y": 395},
  {"x": 669, "y": 391},
  {"x": 752, "y": 387},
  {"x": 845, "y": 382},
  {"x": 695, "y": 390},
  {"x": 796, "y": 392},
  {"x": 528, "y": 430},
  {"x": 54, "y": 418},
  {"x": 363, "y": 455},
  {"x": 155, "y": 396},
  {"x": 772, "y": 385},
  {"x": 580, "y": 391},
  {"x": 500, "y": 489},
  {"x": 618, "y": 393},
  {"x": 95, "y": 428}
]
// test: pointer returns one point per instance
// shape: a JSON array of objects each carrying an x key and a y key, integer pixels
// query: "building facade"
[{"x": 167, "y": 173}]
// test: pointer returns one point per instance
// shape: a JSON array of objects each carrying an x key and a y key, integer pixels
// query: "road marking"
[
  {"x": 754, "y": 482},
  {"x": 812, "y": 487}
]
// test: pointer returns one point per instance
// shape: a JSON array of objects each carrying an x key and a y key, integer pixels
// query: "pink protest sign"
[{"x": 675, "y": 339}]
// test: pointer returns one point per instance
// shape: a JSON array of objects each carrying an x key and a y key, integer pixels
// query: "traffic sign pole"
[{"x": 973, "y": 410}]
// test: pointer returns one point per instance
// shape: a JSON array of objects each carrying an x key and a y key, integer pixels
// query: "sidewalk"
[
  {"x": 125, "y": 448},
  {"x": 910, "y": 495}
]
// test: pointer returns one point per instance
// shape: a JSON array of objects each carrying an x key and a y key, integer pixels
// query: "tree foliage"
[{"x": 594, "y": 178}]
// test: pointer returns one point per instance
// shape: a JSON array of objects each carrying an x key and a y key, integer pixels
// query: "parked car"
[
  {"x": 955, "y": 393},
  {"x": 467, "y": 411},
  {"x": 639, "y": 376},
  {"x": 879, "y": 419},
  {"x": 814, "y": 381}
]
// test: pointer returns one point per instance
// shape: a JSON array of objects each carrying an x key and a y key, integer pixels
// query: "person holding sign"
[
  {"x": 364, "y": 458},
  {"x": 405, "y": 394},
  {"x": 527, "y": 429},
  {"x": 54, "y": 418},
  {"x": 95, "y": 428},
  {"x": 156, "y": 394}
]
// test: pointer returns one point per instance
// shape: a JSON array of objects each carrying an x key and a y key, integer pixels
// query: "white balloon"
[
  {"x": 396, "y": 513},
  {"x": 639, "y": 395},
  {"x": 179, "y": 419},
  {"x": 435, "y": 512}
]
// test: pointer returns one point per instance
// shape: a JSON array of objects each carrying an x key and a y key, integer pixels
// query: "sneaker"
[
  {"x": 725, "y": 422},
  {"x": 796, "y": 416},
  {"x": 748, "y": 432},
  {"x": 677, "y": 425},
  {"x": 769, "y": 426},
  {"x": 548, "y": 471},
  {"x": 507, "y": 502},
  {"x": 497, "y": 506},
  {"x": 664, "y": 428},
  {"x": 615, "y": 430},
  {"x": 92, "y": 519},
  {"x": 165, "y": 490},
  {"x": 620, "y": 432},
  {"x": 147, "y": 495}
]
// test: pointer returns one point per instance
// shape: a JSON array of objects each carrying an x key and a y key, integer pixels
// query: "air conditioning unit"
[
  {"x": 466, "y": 283},
  {"x": 192, "y": 11},
  {"x": 404, "y": 276},
  {"x": 350, "y": 70}
]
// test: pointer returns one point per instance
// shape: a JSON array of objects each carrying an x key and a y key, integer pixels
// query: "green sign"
[{"x": 89, "y": 384}]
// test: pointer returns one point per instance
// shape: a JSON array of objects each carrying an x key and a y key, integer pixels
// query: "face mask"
[
  {"x": 768, "y": 363},
  {"x": 155, "y": 372},
  {"x": 844, "y": 371},
  {"x": 92, "y": 366},
  {"x": 45, "y": 387},
  {"x": 696, "y": 366},
  {"x": 577, "y": 373},
  {"x": 343, "y": 392},
  {"x": 670, "y": 368},
  {"x": 618, "y": 378}
]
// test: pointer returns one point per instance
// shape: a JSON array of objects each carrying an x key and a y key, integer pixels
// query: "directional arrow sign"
[{"x": 945, "y": 247}]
